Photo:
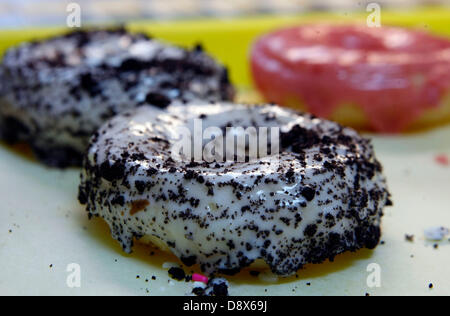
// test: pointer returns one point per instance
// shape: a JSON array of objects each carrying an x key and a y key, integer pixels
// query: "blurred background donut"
[{"x": 383, "y": 79}]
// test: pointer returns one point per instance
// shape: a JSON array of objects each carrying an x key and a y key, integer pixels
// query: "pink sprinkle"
[
  {"x": 442, "y": 160},
  {"x": 199, "y": 278}
]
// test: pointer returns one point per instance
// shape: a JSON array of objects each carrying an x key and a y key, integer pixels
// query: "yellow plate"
[{"x": 229, "y": 40}]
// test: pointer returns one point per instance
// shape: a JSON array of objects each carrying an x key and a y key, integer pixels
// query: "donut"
[
  {"x": 323, "y": 195},
  {"x": 386, "y": 80},
  {"x": 54, "y": 94}
]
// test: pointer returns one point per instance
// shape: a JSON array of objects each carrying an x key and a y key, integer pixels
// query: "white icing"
[{"x": 217, "y": 228}]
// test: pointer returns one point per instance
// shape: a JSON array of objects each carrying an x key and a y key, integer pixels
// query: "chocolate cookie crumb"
[{"x": 177, "y": 273}]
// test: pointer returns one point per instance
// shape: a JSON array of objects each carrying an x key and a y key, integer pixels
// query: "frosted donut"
[
  {"x": 56, "y": 93},
  {"x": 325, "y": 196},
  {"x": 384, "y": 79}
]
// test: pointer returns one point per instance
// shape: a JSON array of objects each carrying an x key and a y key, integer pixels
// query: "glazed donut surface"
[{"x": 325, "y": 195}]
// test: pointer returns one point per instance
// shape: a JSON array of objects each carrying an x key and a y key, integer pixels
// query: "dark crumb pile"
[{"x": 215, "y": 287}]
